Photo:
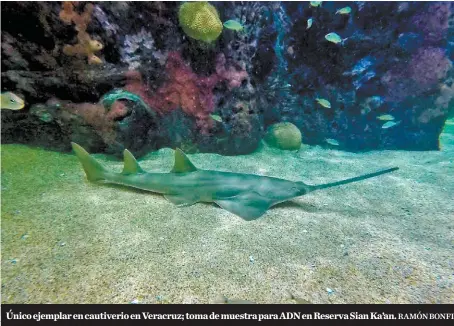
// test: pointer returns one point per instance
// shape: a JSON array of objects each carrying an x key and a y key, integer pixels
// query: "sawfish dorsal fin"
[
  {"x": 130, "y": 164},
  {"x": 182, "y": 163}
]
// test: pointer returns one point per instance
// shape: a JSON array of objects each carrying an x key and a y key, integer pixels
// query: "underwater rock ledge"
[{"x": 275, "y": 68}]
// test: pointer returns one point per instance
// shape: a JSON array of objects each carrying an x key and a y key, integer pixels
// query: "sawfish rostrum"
[{"x": 247, "y": 195}]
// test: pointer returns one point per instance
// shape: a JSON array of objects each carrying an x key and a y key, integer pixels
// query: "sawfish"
[{"x": 248, "y": 196}]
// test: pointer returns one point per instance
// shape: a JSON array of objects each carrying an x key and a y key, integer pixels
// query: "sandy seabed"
[{"x": 388, "y": 239}]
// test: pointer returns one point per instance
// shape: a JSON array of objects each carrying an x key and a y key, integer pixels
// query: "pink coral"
[
  {"x": 234, "y": 76},
  {"x": 428, "y": 66},
  {"x": 95, "y": 115},
  {"x": 424, "y": 70},
  {"x": 434, "y": 21},
  {"x": 136, "y": 85},
  {"x": 186, "y": 90}
]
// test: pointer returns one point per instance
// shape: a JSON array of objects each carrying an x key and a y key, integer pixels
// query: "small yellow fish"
[
  {"x": 216, "y": 117},
  {"x": 309, "y": 23},
  {"x": 332, "y": 141},
  {"x": 316, "y": 3},
  {"x": 333, "y": 37},
  {"x": 385, "y": 117},
  {"x": 233, "y": 25},
  {"x": 344, "y": 11},
  {"x": 95, "y": 45},
  {"x": 324, "y": 103},
  {"x": 11, "y": 101}
]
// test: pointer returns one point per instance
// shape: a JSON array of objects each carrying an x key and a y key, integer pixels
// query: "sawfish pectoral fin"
[
  {"x": 182, "y": 199},
  {"x": 249, "y": 206}
]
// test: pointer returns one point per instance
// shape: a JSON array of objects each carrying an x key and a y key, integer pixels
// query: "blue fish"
[{"x": 390, "y": 124}]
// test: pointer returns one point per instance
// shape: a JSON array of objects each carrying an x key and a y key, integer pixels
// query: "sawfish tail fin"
[
  {"x": 96, "y": 172},
  {"x": 355, "y": 179},
  {"x": 93, "y": 170}
]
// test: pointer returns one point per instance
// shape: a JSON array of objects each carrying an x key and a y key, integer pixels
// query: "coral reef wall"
[
  {"x": 115, "y": 75},
  {"x": 395, "y": 58}
]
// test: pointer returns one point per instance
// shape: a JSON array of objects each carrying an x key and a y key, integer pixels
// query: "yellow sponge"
[{"x": 200, "y": 20}]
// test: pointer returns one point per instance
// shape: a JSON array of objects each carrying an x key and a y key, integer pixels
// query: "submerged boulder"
[{"x": 284, "y": 135}]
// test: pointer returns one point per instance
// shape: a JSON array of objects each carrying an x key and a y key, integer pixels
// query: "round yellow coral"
[
  {"x": 200, "y": 20},
  {"x": 284, "y": 135}
]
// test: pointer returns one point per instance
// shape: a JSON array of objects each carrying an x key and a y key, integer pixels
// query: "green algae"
[
  {"x": 31, "y": 177},
  {"x": 119, "y": 94}
]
